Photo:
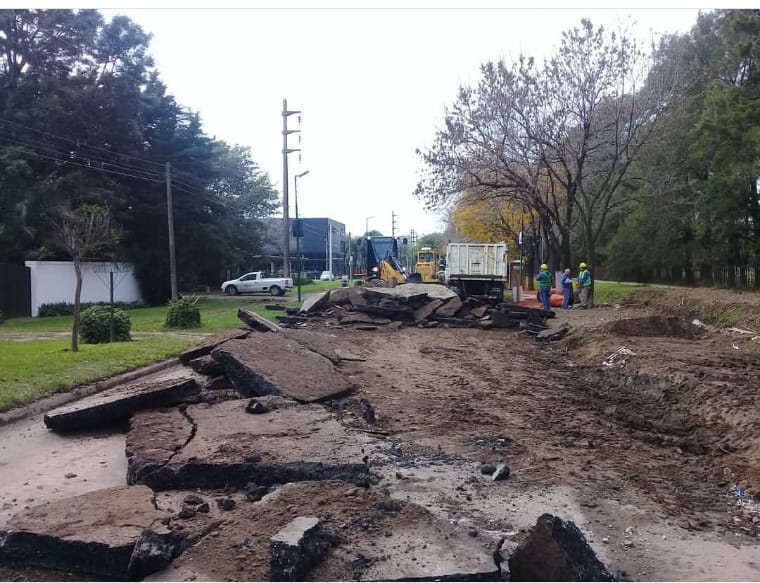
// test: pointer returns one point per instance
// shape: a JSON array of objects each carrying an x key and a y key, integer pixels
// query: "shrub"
[
  {"x": 731, "y": 317},
  {"x": 67, "y": 309},
  {"x": 95, "y": 325},
  {"x": 183, "y": 313},
  {"x": 304, "y": 280}
]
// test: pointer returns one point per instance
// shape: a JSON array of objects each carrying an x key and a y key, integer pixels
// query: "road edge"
[{"x": 58, "y": 399}]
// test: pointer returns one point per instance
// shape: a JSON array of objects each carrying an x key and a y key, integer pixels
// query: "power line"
[
  {"x": 64, "y": 161},
  {"x": 88, "y": 158},
  {"x": 79, "y": 143},
  {"x": 126, "y": 168}
]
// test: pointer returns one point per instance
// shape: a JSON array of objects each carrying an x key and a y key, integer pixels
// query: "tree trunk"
[
  {"x": 590, "y": 247},
  {"x": 77, "y": 296},
  {"x": 564, "y": 252}
]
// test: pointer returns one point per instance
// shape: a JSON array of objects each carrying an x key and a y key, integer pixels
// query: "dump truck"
[
  {"x": 477, "y": 269},
  {"x": 379, "y": 263}
]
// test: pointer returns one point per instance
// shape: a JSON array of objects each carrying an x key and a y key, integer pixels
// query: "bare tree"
[
  {"x": 556, "y": 139},
  {"x": 82, "y": 233}
]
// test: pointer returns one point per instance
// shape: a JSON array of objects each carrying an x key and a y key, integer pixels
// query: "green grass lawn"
[
  {"x": 609, "y": 292},
  {"x": 31, "y": 369}
]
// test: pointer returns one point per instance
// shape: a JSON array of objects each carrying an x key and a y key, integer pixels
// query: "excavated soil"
[{"x": 641, "y": 426}]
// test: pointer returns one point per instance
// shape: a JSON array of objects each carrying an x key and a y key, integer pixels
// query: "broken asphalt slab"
[
  {"x": 275, "y": 364},
  {"x": 296, "y": 549},
  {"x": 556, "y": 550},
  {"x": 367, "y": 536},
  {"x": 411, "y": 290},
  {"x": 210, "y": 343},
  {"x": 114, "y": 532},
  {"x": 213, "y": 446},
  {"x": 120, "y": 402}
]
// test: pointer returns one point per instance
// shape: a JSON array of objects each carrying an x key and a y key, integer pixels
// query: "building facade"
[{"x": 323, "y": 246}]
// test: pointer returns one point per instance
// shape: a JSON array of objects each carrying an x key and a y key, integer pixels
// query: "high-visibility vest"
[
  {"x": 584, "y": 278},
  {"x": 544, "y": 279}
]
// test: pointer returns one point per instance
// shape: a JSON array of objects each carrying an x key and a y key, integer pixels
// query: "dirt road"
[
  {"x": 655, "y": 455},
  {"x": 657, "y": 445}
]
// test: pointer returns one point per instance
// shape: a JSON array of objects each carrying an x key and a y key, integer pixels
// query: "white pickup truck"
[{"x": 256, "y": 282}]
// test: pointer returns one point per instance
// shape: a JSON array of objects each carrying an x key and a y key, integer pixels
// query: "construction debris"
[
  {"x": 556, "y": 550},
  {"x": 79, "y": 534},
  {"x": 423, "y": 305},
  {"x": 297, "y": 549},
  {"x": 256, "y": 322},
  {"x": 118, "y": 403},
  {"x": 214, "y": 446},
  {"x": 273, "y": 364},
  {"x": 210, "y": 343}
]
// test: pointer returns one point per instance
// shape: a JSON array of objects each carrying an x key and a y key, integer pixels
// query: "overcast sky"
[{"x": 372, "y": 85}]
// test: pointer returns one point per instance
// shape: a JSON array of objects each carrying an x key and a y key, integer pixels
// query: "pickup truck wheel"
[
  {"x": 275, "y": 290},
  {"x": 231, "y": 290}
]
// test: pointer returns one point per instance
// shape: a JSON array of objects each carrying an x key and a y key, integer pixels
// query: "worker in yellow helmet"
[
  {"x": 584, "y": 284},
  {"x": 544, "y": 279}
]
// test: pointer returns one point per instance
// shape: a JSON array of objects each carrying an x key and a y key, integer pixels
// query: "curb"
[{"x": 53, "y": 401}]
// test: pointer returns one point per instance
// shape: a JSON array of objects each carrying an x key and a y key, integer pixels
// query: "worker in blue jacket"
[{"x": 544, "y": 279}]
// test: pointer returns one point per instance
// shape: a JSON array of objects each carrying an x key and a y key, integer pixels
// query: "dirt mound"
[
  {"x": 719, "y": 307},
  {"x": 654, "y": 327}
]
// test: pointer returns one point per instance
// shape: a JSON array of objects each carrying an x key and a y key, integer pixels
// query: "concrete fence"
[{"x": 55, "y": 281}]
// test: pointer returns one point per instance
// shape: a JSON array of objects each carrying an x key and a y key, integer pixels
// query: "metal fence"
[{"x": 741, "y": 277}]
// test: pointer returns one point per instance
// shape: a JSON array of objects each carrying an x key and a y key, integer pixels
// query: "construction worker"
[
  {"x": 567, "y": 289},
  {"x": 584, "y": 284},
  {"x": 544, "y": 279}
]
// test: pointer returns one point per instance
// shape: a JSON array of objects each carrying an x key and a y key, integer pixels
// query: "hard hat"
[
  {"x": 544, "y": 266},
  {"x": 583, "y": 265}
]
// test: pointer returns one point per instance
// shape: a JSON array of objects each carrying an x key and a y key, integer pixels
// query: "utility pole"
[
  {"x": 285, "y": 209},
  {"x": 170, "y": 218},
  {"x": 394, "y": 221},
  {"x": 412, "y": 242},
  {"x": 329, "y": 245},
  {"x": 298, "y": 234}
]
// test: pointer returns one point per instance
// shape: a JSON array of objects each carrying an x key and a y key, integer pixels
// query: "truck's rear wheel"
[{"x": 275, "y": 290}]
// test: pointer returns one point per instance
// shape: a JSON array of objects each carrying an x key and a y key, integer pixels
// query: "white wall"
[{"x": 55, "y": 281}]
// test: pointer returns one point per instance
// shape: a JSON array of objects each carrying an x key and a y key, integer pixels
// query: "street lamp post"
[
  {"x": 366, "y": 225},
  {"x": 299, "y": 232}
]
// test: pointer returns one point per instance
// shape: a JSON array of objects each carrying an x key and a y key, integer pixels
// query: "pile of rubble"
[
  {"x": 236, "y": 470},
  {"x": 417, "y": 304}
]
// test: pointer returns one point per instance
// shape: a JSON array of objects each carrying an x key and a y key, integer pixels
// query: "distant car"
[
  {"x": 327, "y": 276},
  {"x": 256, "y": 282}
]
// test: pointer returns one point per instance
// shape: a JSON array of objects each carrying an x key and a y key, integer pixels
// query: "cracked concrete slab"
[
  {"x": 276, "y": 364},
  {"x": 95, "y": 533},
  {"x": 212, "y": 342},
  {"x": 213, "y": 446},
  {"x": 371, "y": 538},
  {"x": 321, "y": 343},
  {"x": 120, "y": 402}
]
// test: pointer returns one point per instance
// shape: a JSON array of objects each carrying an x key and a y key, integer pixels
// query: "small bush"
[
  {"x": 303, "y": 281},
  {"x": 183, "y": 313},
  {"x": 95, "y": 325},
  {"x": 731, "y": 317}
]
